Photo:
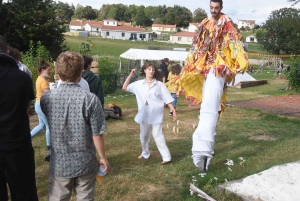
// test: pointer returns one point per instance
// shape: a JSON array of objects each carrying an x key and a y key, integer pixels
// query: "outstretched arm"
[{"x": 127, "y": 81}]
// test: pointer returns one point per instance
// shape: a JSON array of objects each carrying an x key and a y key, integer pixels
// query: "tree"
[
  {"x": 140, "y": 17},
  {"x": 295, "y": 2},
  {"x": 199, "y": 15},
  {"x": 281, "y": 33},
  {"x": 63, "y": 11},
  {"x": 169, "y": 17},
  {"x": 32, "y": 20}
]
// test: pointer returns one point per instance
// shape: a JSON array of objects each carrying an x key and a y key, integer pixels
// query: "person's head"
[
  {"x": 69, "y": 66},
  {"x": 215, "y": 8},
  {"x": 150, "y": 70},
  {"x": 176, "y": 69},
  {"x": 44, "y": 68},
  {"x": 14, "y": 52},
  {"x": 3, "y": 45},
  {"x": 167, "y": 61},
  {"x": 87, "y": 62}
]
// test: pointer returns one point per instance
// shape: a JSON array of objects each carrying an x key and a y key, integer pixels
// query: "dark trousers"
[{"x": 17, "y": 169}]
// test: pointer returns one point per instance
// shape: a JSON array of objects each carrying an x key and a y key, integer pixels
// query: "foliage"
[
  {"x": 63, "y": 11},
  {"x": 86, "y": 12},
  {"x": 107, "y": 71},
  {"x": 32, "y": 57},
  {"x": 294, "y": 74},
  {"x": 281, "y": 33},
  {"x": 32, "y": 20},
  {"x": 199, "y": 15},
  {"x": 85, "y": 48}
]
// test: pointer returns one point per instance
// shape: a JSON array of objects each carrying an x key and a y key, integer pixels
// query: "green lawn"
[{"x": 238, "y": 135}]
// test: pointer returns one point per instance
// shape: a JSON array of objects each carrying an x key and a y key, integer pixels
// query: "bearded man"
[{"x": 215, "y": 57}]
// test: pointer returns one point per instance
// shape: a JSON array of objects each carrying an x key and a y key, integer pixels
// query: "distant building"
[
  {"x": 193, "y": 27},
  {"x": 251, "y": 39},
  {"x": 182, "y": 37},
  {"x": 246, "y": 23},
  {"x": 163, "y": 27},
  {"x": 110, "y": 28}
]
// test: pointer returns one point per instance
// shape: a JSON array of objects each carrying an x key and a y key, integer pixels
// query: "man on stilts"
[{"x": 215, "y": 57}]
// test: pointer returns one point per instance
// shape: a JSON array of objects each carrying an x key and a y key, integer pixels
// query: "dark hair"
[
  {"x": 176, "y": 69},
  {"x": 218, "y": 1},
  {"x": 43, "y": 65},
  {"x": 164, "y": 60},
  {"x": 3, "y": 45},
  {"x": 87, "y": 61},
  {"x": 14, "y": 52},
  {"x": 158, "y": 75}
]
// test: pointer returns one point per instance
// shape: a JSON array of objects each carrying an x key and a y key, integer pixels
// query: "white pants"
[
  {"x": 204, "y": 135},
  {"x": 158, "y": 138}
]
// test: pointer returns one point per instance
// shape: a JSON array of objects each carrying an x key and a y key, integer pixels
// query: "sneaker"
[
  {"x": 171, "y": 114},
  {"x": 47, "y": 158},
  {"x": 202, "y": 163}
]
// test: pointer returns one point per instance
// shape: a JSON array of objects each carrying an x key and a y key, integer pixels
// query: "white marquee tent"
[{"x": 144, "y": 54}]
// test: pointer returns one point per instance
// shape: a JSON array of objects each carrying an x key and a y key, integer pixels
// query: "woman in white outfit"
[{"x": 151, "y": 95}]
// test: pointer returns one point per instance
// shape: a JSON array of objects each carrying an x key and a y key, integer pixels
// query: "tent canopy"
[{"x": 143, "y": 54}]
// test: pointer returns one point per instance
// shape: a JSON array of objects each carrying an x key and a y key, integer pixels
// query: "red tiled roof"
[
  {"x": 124, "y": 23},
  {"x": 94, "y": 23},
  {"x": 248, "y": 21},
  {"x": 123, "y": 28},
  {"x": 77, "y": 22},
  {"x": 195, "y": 24},
  {"x": 164, "y": 25},
  {"x": 185, "y": 33},
  {"x": 110, "y": 19}
]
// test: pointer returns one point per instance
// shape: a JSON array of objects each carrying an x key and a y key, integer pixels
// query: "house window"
[
  {"x": 190, "y": 39},
  {"x": 97, "y": 30},
  {"x": 123, "y": 34},
  {"x": 107, "y": 22},
  {"x": 113, "y": 23},
  {"x": 142, "y": 35},
  {"x": 251, "y": 39},
  {"x": 179, "y": 39},
  {"x": 107, "y": 33}
]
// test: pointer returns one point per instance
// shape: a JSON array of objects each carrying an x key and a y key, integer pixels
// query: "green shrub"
[
  {"x": 108, "y": 66},
  {"x": 294, "y": 74},
  {"x": 32, "y": 57}
]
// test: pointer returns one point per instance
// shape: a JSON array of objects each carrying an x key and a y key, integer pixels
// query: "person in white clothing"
[
  {"x": 151, "y": 95},
  {"x": 82, "y": 83}
]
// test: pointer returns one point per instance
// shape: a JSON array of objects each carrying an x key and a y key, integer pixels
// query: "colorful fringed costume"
[
  {"x": 215, "y": 45},
  {"x": 215, "y": 57}
]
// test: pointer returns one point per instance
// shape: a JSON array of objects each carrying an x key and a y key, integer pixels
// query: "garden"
[{"x": 239, "y": 150}]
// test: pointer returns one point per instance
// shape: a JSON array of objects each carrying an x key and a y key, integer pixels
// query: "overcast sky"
[{"x": 258, "y": 10}]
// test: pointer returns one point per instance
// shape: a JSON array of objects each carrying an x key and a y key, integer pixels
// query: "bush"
[
  {"x": 294, "y": 74},
  {"x": 108, "y": 66},
  {"x": 32, "y": 57}
]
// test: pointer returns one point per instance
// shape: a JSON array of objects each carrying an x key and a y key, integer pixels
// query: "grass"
[{"x": 239, "y": 131}]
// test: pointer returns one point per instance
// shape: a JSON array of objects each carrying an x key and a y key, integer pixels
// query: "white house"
[
  {"x": 182, "y": 37},
  {"x": 251, "y": 39},
  {"x": 111, "y": 28},
  {"x": 76, "y": 25},
  {"x": 246, "y": 23},
  {"x": 193, "y": 27},
  {"x": 163, "y": 27}
]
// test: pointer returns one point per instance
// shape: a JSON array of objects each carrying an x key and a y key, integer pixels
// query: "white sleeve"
[{"x": 84, "y": 84}]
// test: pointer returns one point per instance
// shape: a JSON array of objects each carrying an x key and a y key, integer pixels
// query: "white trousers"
[
  {"x": 204, "y": 135},
  {"x": 158, "y": 137}
]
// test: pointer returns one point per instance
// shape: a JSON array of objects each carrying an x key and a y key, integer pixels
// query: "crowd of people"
[{"x": 73, "y": 113}]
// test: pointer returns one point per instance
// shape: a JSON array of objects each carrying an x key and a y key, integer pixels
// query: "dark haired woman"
[
  {"x": 151, "y": 95},
  {"x": 42, "y": 85}
]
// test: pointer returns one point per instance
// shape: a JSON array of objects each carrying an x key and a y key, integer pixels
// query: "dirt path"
[{"x": 283, "y": 105}]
